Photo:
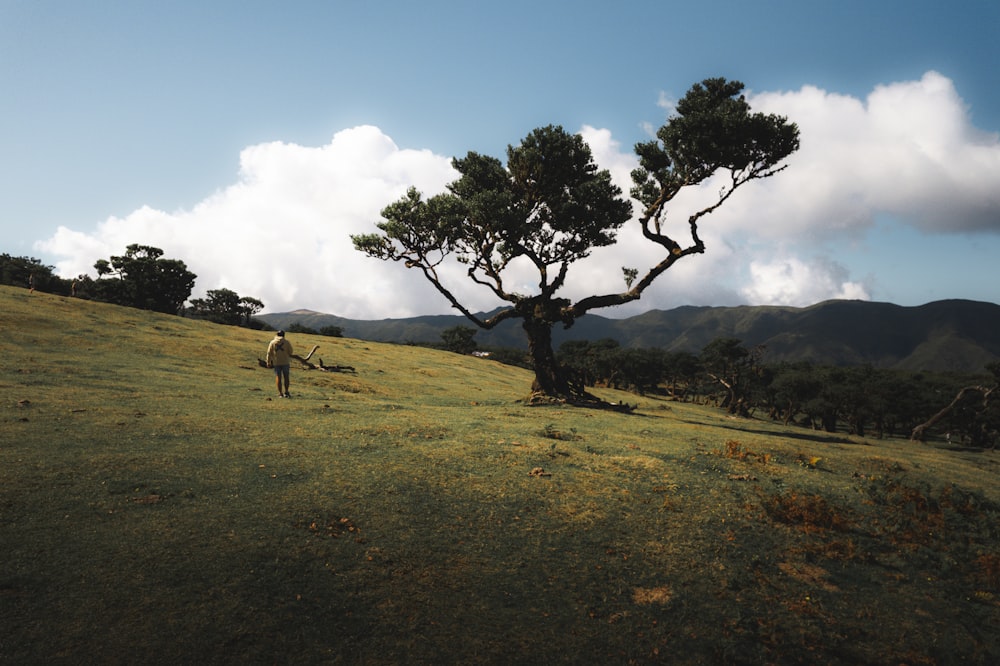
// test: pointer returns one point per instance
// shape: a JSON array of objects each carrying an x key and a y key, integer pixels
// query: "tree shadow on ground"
[{"x": 821, "y": 438}]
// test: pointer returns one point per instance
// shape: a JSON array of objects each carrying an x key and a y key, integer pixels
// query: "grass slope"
[{"x": 158, "y": 507}]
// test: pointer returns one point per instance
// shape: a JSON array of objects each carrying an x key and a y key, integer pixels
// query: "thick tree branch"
[
  {"x": 674, "y": 249},
  {"x": 919, "y": 432}
]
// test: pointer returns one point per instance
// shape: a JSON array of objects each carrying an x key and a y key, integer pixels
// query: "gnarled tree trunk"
[{"x": 549, "y": 377}]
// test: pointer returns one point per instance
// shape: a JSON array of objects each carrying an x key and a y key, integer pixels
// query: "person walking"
[{"x": 279, "y": 355}]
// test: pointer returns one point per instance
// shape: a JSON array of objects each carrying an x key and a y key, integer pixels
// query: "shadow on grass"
[
  {"x": 821, "y": 438},
  {"x": 806, "y": 436}
]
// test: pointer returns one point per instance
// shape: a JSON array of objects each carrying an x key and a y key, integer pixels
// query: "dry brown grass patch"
[
  {"x": 806, "y": 511},
  {"x": 661, "y": 595},
  {"x": 734, "y": 450}
]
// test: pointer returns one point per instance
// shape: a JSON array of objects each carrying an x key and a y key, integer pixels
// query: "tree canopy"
[
  {"x": 29, "y": 271},
  {"x": 225, "y": 306},
  {"x": 142, "y": 278},
  {"x": 551, "y": 205}
]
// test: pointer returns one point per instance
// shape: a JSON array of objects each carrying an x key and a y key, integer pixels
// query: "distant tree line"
[
  {"x": 860, "y": 400},
  {"x": 140, "y": 278},
  {"x": 329, "y": 331},
  {"x": 28, "y": 271}
]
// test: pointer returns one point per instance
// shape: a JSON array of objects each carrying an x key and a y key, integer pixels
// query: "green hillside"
[
  {"x": 943, "y": 336},
  {"x": 159, "y": 507}
]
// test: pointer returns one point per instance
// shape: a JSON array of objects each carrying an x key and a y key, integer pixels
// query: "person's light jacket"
[{"x": 279, "y": 352}]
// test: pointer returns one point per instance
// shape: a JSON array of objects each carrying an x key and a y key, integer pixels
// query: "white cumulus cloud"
[
  {"x": 908, "y": 150},
  {"x": 281, "y": 233},
  {"x": 793, "y": 281}
]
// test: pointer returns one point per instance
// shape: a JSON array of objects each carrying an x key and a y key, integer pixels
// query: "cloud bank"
[{"x": 281, "y": 232}]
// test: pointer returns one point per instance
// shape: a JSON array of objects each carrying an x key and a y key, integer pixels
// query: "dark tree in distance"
[
  {"x": 459, "y": 339},
  {"x": 25, "y": 271},
  {"x": 299, "y": 327},
  {"x": 332, "y": 331},
  {"x": 552, "y": 206},
  {"x": 219, "y": 305},
  {"x": 641, "y": 370},
  {"x": 728, "y": 363},
  {"x": 591, "y": 362},
  {"x": 225, "y": 306},
  {"x": 978, "y": 411},
  {"x": 794, "y": 385},
  {"x": 680, "y": 371},
  {"x": 248, "y": 307},
  {"x": 145, "y": 280}
]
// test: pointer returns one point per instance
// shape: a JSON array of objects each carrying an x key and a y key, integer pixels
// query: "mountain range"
[{"x": 942, "y": 336}]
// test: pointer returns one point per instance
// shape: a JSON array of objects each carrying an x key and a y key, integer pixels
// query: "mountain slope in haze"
[{"x": 949, "y": 335}]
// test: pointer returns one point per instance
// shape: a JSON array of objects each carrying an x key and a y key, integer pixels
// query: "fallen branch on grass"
[
  {"x": 311, "y": 366},
  {"x": 306, "y": 359},
  {"x": 336, "y": 368}
]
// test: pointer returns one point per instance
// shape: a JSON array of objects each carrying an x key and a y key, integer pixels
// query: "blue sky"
[{"x": 251, "y": 138}]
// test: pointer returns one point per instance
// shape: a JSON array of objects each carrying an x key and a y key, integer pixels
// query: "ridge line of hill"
[{"x": 953, "y": 335}]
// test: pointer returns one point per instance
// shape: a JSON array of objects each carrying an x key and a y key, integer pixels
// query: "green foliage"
[
  {"x": 297, "y": 327},
  {"x": 459, "y": 339},
  {"x": 640, "y": 370},
  {"x": 332, "y": 331},
  {"x": 511, "y": 356},
  {"x": 219, "y": 305},
  {"x": 591, "y": 362},
  {"x": 713, "y": 129},
  {"x": 225, "y": 306},
  {"x": 680, "y": 372},
  {"x": 792, "y": 387},
  {"x": 858, "y": 400},
  {"x": 729, "y": 364},
  {"x": 142, "y": 278},
  {"x": 28, "y": 271},
  {"x": 17, "y": 271},
  {"x": 326, "y": 331},
  {"x": 630, "y": 274},
  {"x": 551, "y": 205}
]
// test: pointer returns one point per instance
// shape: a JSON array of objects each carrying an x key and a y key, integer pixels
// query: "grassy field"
[{"x": 157, "y": 506}]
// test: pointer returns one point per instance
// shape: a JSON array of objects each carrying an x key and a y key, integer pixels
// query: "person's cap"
[{"x": 281, "y": 334}]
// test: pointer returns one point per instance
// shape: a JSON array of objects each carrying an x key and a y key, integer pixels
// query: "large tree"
[
  {"x": 225, "y": 306},
  {"x": 142, "y": 278},
  {"x": 726, "y": 362},
  {"x": 552, "y": 206}
]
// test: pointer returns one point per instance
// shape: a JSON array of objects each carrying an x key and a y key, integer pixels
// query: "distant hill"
[{"x": 951, "y": 335}]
